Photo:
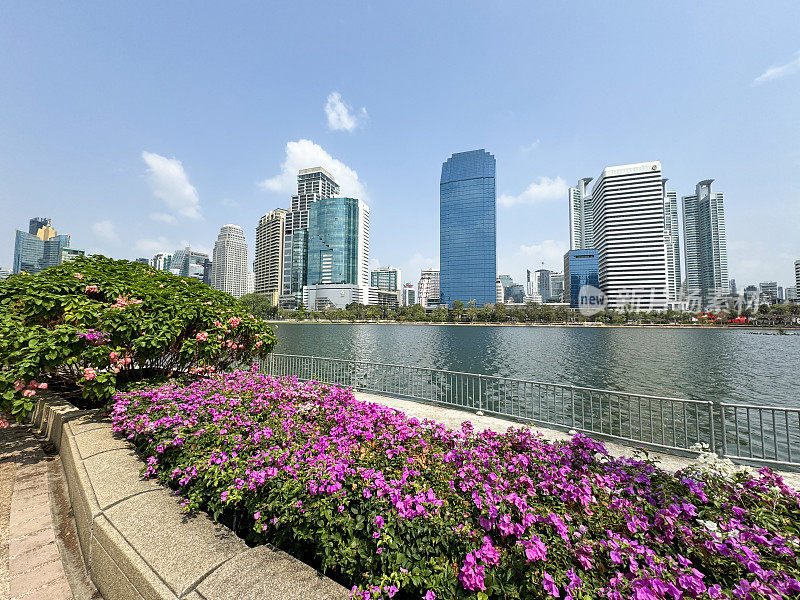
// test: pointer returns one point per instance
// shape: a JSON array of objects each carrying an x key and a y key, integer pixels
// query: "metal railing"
[{"x": 731, "y": 430}]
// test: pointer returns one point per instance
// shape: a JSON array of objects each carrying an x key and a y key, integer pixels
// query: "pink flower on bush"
[
  {"x": 234, "y": 321},
  {"x": 91, "y": 289},
  {"x": 78, "y": 276},
  {"x": 89, "y": 373},
  {"x": 202, "y": 336},
  {"x": 112, "y": 356},
  {"x": 28, "y": 393},
  {"x": 549, "y": 585},
  {"x": 19, "y": 385},
  {"x": 430, "y": 595},
  {"x": 42, "y": 386}
]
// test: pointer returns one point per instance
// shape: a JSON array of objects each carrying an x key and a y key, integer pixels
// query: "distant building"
[
  {"x": 541, "y": 283},
  {"x": 161, "y": 261},
  {"x": 581, "y": 216},
  {"x": 628, "y": 213},
  {"x": 4, "y": 273},
  {"x": 751, "y": 295},
  {"x": 312, "y": 185},
  {"x": 797, "y": 274},
  {"x": 270, "y": 252},
  {"x": 515, "y": 293},
  {"x": 251, "y": 283},
  {"x": 409, "y": 295},
  {"x": 34, "y": 252},
  {"x": 229, "y": 265},
  {"x": 338, "y": 253},
  {"x": 673, "y": 243},
  {"x": 428, "y": 288},
  {"x": 791, "y": 293},
  {"x": 387, "y": 279},
  {"x": 556, "y": 287},
  {"x": 705, "y": 245},
  {"x": 768, "y": 292},
  {"x": 732, "y": 287},
  {"x": 467, "y": 229},
  {"x": 68, "y": 254},
  {"x": 780, "y": 293},
  {"x": 189, "y": 263},
  {"x": 580, "y": 269},
  {"x": 500, "y": 291}
]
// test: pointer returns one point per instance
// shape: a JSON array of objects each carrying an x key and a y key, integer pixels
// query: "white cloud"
[
  {"x": 304, "y": 154},
  {"x": 162, "y": 217},
  {"x": 148, "y": 247},
  {"x": 413, "y": 267},
  {"x": 341, "y": 116},
  {"x": 539, "y": 191},
  {"x": 105, "y": 230},
  {"x": 776, "y": 72},
  {"x": 529, "y": 147},
  {"x": 170, "y": 183}
]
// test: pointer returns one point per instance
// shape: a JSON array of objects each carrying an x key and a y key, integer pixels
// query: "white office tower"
[
  {"x": 705, "y": 247},
  {"x": 542, "y": 284},
  {"x": 628, "y": 211},
  {"x": 428, "y": 288},
  {"x": 557, "y": 287},
  {"x": 500, "y": 292},
  {"x": 251, "y": 282},
  {"x": 229, "y": 264},
  {"x": 312, "y": 185},
  {"x": 581, "y": 219},
  {"x": 673, "y": 244},
  {"x": 268, "y": 262},
  {"x": 387, "y": 279}
]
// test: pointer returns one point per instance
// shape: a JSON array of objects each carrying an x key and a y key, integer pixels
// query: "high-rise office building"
[
  {"x": 388, "y": 279},
  {"x": 467, "y": 228},
  {"x": 161, "y": 261},
  {"x": 143, "y": 261},
  {"x": 409, "y": 296},
  {"x": 628, "y": 212},
  {"x": 732, "y": 287},
  {"x": 581, "y": 269},
  {"x": 312, "y": 185},
  {"x": 338, "y": 253},
  {"x": 797, "y": 274},
  {"x": 791, "y": 293},
  {"x": 581, "y": 219},
  {"x": 4, "y": 273},
  {"x": 768, "y": 292},
  {"x": 35, "y": 251},
  {"x": 673, "y": 245},
  {"x": 268, "y": 263},
  {"x": 556, "y": 287},
  {"x": 251, "y": 283},
  {"x": 190, "y": 263},
  {"x": 428, "y": 288},
  {"x": 705, "y": 246},
  {"x": 229, "y": 264},
  {"x": 541, "y": 283},
  {"x": 500, "y": 291}
]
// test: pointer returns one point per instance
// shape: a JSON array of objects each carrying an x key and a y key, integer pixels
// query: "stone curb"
[{"x": 136, "y": 541}]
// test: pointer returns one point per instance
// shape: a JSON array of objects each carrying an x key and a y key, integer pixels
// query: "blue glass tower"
[
  {"x": 581, "y": 267},
  {"x": 468, "y": 229}
]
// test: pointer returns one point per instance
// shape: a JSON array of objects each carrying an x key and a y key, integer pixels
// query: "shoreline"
[{"x": 750, "y": 328}]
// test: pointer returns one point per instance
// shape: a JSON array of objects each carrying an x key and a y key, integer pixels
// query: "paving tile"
[
  {"x": 34, "y": 558},
  {"x": 30, "y": 526},
  {"x": 28, "y": 543},
  {"x": 58, "y": 590}
]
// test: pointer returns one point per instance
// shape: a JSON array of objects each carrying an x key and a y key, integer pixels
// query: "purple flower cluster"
[
  {"x": 397, "y": 507},
  {"x": 97, "y": 338}
]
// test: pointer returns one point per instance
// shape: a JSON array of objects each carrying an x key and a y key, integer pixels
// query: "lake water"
[{"x": 699, "y": 364}]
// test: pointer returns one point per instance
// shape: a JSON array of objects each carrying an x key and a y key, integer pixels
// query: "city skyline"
[{"x": 145, "y": 178}]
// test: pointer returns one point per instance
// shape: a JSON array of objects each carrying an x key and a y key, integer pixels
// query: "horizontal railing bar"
[
  {"x": 499, "y": 378},
  {"x": 759, "y": 406}
]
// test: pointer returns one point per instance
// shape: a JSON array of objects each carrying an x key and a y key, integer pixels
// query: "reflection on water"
[{"x": 700, "y": 364}]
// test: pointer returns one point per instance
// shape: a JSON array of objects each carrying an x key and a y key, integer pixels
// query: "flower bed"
[{"x": 395, "y": 507}]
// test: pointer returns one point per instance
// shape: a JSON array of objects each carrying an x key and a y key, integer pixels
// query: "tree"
[{"x": 259, "y": 305}]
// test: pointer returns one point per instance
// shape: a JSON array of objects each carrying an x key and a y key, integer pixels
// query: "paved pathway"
[
  {"x": 31, "y": 565},
  {"x": 453, "y": 418}
]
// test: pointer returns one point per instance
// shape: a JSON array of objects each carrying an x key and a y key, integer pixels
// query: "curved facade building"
[
  {"x": 468, "y": 229},
  {"x": 229, "y": 265}
]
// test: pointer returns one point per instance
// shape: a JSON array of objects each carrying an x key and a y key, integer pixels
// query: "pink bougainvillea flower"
[
  {"x": 89, "y": 373},
  {"x": 78, "y": 276},
  {"x": 202, "y": 336},
  {"x": 91, "y": 289}
]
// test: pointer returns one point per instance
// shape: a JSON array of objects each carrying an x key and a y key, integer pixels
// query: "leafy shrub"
[
  {"x": 398, "y": 507},
  {"x": 99, "y": 323}
]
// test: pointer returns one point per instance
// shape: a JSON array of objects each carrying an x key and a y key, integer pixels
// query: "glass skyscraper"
[
  {"x": 336, "y": 252},
  {"x": 467, "y": 229},
  {"x": 580, "y": 268},
  {"x": 38, "y": 248}
]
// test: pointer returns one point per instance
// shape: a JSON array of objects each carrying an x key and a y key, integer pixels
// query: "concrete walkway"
[
  {"x": 33, "y": 538},
  {"x": 453, "y": 418}
]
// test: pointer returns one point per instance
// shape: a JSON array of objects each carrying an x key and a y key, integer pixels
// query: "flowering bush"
[
  {"x": 98, "y": 323},
  {"x": 395, "y": 507}
]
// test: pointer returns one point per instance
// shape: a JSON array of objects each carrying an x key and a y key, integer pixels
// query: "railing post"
[
  {"x": 572, "y": 404},
  {"x": 480, "y": 392},
  {"x": 724, "y": 431},
  {"x": 712, "y": 428}
]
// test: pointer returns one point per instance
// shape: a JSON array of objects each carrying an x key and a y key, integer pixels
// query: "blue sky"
[{"x": 140, "y": 127}]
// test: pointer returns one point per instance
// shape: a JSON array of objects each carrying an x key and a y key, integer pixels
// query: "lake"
[{"x": 698, "y": 364}]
